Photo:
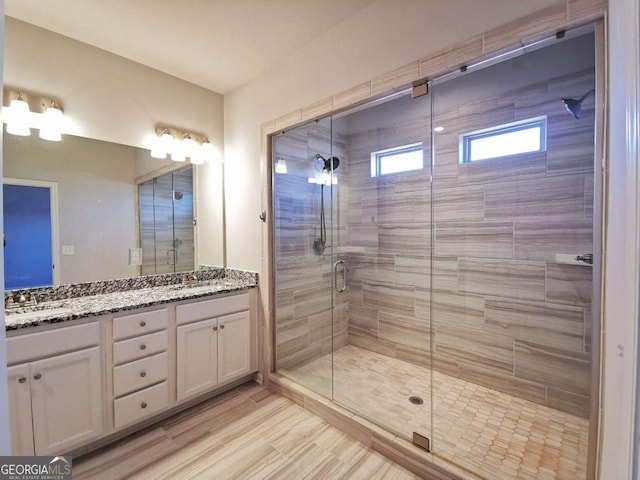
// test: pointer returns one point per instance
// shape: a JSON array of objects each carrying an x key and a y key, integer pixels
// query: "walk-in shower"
[{"x": 456, "y": 220}]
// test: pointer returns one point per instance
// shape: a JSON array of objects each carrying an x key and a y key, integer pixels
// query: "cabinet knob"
[
  {"x": 22, "y": 379},
  {"x": 37, "y": 376},
  {"x": 143, "y": 374},
  {"x": 143, "y": 405},
  {"x": 215, "y": 329},
  {"x": 143, "y": 324},
  {"x": 143, "y": 347},
  {"x": 221, "y": 327}
]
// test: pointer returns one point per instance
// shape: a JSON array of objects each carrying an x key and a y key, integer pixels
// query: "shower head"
[
  {"x": 574, "y": 105},
  {"x": 329, "y": 163}
]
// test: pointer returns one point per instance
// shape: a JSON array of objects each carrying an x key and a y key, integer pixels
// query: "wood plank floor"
[{"x": 247, "y": 433}]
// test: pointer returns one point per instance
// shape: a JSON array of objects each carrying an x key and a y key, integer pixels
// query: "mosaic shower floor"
[{"x": 490, "y": 433}]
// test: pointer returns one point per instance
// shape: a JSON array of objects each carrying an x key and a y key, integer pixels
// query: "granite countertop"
[{"x": 65, "y": 309}]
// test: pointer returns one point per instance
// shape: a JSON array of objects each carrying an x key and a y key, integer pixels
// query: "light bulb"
[
  {"x": 167, "y": 141},
  {"x": 189, "y": 146},
  {"x": 177, "y": 153},
  {"x": 51, "y": 126},
  {"x": 18, "y": 121},
  {"x": 281, "y": 166},
  {"x": 157, "y": 150}
]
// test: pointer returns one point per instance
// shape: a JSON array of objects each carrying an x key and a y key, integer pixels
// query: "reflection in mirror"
[
  {"x": 97, "y": 225},
  {"x": 167, "y": 222}
]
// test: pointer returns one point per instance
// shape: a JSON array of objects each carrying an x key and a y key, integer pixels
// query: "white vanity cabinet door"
[
  {"x": 197, "y": 357},
  {"x": 20, "y": 410},
  {"x": 66, "y": 401},
  {"x": 234, "y": 346}
]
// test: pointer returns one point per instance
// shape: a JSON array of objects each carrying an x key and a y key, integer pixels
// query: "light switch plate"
[
  {"x": 135, "y": 256},
  {"x": 68, "y": 250}
]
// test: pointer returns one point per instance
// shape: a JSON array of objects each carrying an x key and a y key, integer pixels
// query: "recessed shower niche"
[{"x": 437, "y": 260}]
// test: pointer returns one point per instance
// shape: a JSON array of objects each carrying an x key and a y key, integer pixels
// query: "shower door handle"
[
  {"x": 171, "y": 253},
  {"x": 344, "y": 276}
]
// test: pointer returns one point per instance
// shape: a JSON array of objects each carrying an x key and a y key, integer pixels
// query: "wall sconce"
[
  {"x": 21, "y": 118},
  {"x": 182, "y": 145}
]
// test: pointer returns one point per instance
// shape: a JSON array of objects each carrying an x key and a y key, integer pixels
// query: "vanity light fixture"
[
  {"x": 182, "y": 145},
  {"x": 51, "y": 126},
  {"x": 18, "y": 117},
  {"x": 46, "y": 117}
]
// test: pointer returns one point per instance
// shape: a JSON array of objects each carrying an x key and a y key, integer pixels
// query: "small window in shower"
[
  {"x": 396, "y": 160},
  {"x": 524, "y": 136}
]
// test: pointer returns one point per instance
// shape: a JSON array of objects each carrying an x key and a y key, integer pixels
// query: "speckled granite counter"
[{"x": 70, "y": 302}]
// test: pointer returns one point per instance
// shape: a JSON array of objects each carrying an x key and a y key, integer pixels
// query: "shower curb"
[{"x": 399, "y": 450}]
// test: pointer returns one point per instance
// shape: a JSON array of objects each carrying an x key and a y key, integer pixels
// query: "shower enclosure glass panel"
[
  {"x": 166, "y": 223},
  {"x": 382, "y": 370},
  {"x": 511, "y": 305},
  {"x": 305, "y": 195}
]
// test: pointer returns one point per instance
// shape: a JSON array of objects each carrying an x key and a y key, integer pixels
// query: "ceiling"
[{"x": 217, "y": 44}]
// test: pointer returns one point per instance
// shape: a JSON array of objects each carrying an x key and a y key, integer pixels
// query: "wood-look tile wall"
[{"x": 505, "y": 314}]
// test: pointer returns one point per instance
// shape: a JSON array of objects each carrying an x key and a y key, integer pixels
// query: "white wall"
[
  {"x": 381, "y": 37},
  {"x": 107, "y": 97},
  {"x": 5, "y": 438}
]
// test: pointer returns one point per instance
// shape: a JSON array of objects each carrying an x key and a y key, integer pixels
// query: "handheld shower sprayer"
[{"x": 329, "y": 165}]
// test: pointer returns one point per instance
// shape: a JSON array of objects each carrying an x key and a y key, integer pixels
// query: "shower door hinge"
[
  {"x": 419, "y": 90},
  {"x": 421, "y": 441}
]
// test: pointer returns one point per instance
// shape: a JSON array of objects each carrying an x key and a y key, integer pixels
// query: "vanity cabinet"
[
  {"x": 212, "y": 351},
  {"x": 140, "y": 366},
  {"x": 56, "y": 402}
]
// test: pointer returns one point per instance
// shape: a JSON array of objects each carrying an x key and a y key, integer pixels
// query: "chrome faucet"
[
  {"x": 22, "y": 301},
  {"x": 189, "y": 279}
]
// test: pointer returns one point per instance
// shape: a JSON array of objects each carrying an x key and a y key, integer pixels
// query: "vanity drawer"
[
  {"x": 140, "y": 323},
  {"x": 139, "y": 374},
  {"x": 23, "y": 348},
  {"x": 141, "y": 404},
  {"x": 138, "y": 347},
  {"x": 193, "y": 312}
]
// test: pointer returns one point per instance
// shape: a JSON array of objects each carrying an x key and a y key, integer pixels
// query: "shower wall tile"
[
  {"x": 404, "y": 331},
  {"x": 458, "y": 309},
  {"x": 409, "y": 239},
  {"x": 588, "y": 329},
  {"x": 557, "y": 326},
  {"x": 475, "y": 239},
  {"x": 389, "y": 297},
  {"x": 313, "y": 300},
  {"x": 543, "y": 240},
  {"x": 372, "y": 343},
  {"x": 488, "y": 350},
  {"x": 570, "y": 153},
  {"x": 556, "y": 198},
  {"x": 412, "y": 270},
  {"x": 554, "y": 367},
  {"x": 371, "y": 267},
  {"x": 534, "y": 392},
  {"x": 458, "y": 204},
  {"x": 588, "y": 195},
  {"x": 445, "y": 273},
  {"x": 417, "y": 355},
  {"x": 569, "y": 402},
  {"x": 569, "y": 284},
  {"x": 363, "y": 320},
  {"x": 363, "y": 236},
  {"x": 397, "y": 78},
  {"x": 422, "y": 304},
  {"x": 520, "y": 280},
  {"x": 506, "y": 169}
]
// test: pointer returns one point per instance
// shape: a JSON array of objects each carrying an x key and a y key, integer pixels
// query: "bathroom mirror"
[{"x": 95, "y": 220}]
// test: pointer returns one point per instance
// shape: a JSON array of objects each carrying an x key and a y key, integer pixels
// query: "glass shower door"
[
  {"x": 382, "y": 231},
  {"x": 303, "y": 241},
  {"x": 166, "y": 223}
]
